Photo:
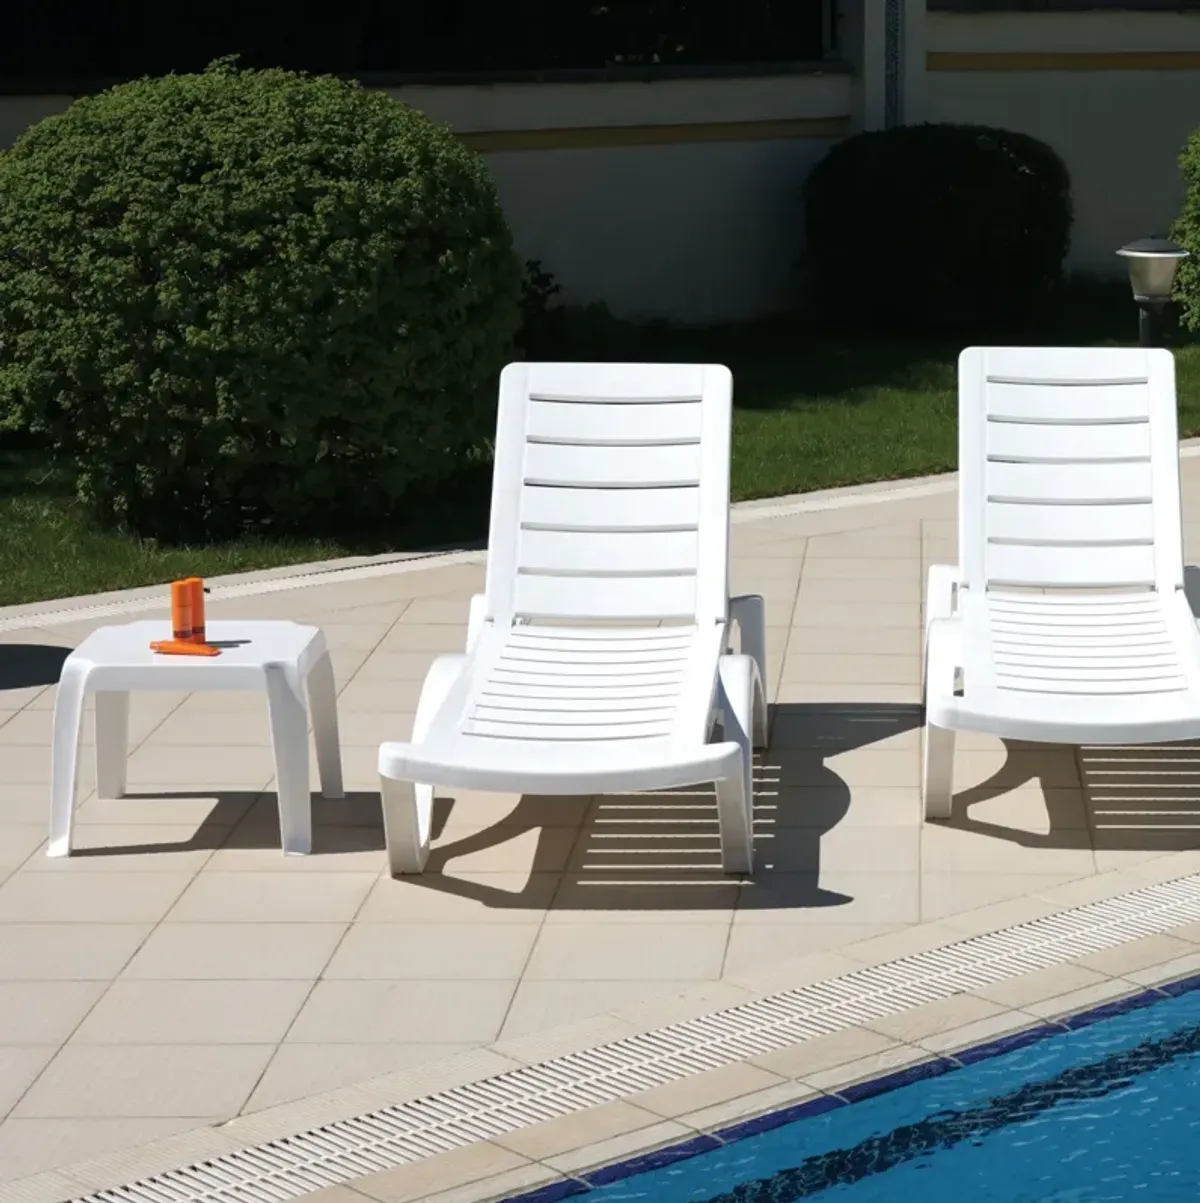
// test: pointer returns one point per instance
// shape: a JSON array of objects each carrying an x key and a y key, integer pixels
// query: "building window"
[{"x": 94, "y": 40}]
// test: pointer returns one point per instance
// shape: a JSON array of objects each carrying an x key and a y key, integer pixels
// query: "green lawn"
[{"x": 812, "y": 412}]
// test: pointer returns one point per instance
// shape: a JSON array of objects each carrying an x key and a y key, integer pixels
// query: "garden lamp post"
[{"x": 1152, "y": 265}]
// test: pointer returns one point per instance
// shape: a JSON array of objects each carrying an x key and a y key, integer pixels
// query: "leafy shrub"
[
  {"x": 541, "y": 319},
  {"x": 1186, "y": 232},
  {"x": 937, "y": 227},
  {"x": 251, "y": 298}
]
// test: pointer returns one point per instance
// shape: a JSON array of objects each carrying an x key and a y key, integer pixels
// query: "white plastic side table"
[{"x": 282, "y": 658}]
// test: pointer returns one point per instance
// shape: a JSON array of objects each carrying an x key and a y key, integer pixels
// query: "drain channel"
[{"x": 393, "y": 1136}]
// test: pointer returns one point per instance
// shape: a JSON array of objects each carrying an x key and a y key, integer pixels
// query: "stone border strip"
[{"x": 399, "y": 1125}]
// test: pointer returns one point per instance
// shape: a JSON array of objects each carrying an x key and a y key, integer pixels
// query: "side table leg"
[
  {"x": 322, "y": 698},
  {"x": 112, "y": 742},
  {"x": 289, "y": 735},
  {"x": 64, "y": 770}
]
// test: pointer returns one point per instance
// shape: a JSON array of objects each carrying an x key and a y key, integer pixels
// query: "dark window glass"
[{"x": 91, "y": 40}]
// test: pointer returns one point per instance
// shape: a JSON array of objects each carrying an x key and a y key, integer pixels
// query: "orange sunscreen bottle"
[
  {"x": 181, "y": 610},
  {"x": 197, "y": 595}
]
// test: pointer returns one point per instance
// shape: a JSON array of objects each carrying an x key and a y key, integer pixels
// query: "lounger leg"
[
  {"x": 408, "y": 806},
  {"x": 937, "y": 771},
  {"x": 64, "y": 770},
  {"x": 322, "y": 700},
  {"x": 735, "y": 796},
  {"x": 289, "y": 735},
  {"x": 750, "y": 614},
  {"x": 407, "y": 824},
  {"x": 112, "y": 742}
]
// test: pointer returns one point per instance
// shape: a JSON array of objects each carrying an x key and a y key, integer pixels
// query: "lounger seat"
[
  {"x": 1065, "y": 620},
  {"x": 599, "y": 657}
]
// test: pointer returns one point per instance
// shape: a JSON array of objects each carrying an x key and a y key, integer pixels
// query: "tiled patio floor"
[{"x": 179, "y": 971}]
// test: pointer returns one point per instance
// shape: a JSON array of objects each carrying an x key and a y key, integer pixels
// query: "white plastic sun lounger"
[
  {"x": 1065, "y": 620},
  {"x": 598, "y": 658}
]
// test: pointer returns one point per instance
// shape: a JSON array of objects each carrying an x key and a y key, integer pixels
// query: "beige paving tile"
[
  {"x": 472, "y": 952},
  {"x": 1128, "y": 958},
  {"x": 895, "y": 1057},
  {"x": 765, "y": 945},
  {"x": 448, "y": 610},
  {"x": 1002, "y": 1023},
  {"x": 128, "y": 848},
  {"x": 929, "y": 1020},
  {"x": 1035, "y": 811},
  {"x": 32, "y": 1146},
  {"x": 27, "y": 764},
  {"x": 870, "y": 767},
  {"x": 204, "y": 1083},
  {"x": 66, "y": 951},
  {"x": 838, "y": 807},
  {"x": 841, "y": 897},
  {"x": 460, "y": 898},
  {"x": 371, "y": 730},
  {"x": 474, "y": 810},
  {"x": 703, "y": 1090},
  {"x": 849, "y": 668},
  {"x": 20, "y": 842},
  {"x": 1050, "y": 768},
  {"x": 402, "y": 1012},
  {"x": 461, "y": 1167},
  {"x": 243, "y": 768},
  {"x": 233, "y": 728},
  {"x": 898, "y": 589},
  {"x": 558, "y": 1137},
  {"x": 193, "y": 1012},
  {"x": 154, "y": 805},
  {"x": 20, "y": 1065},
  {"x": 947, "y": 850},
  {"x": 45, "y": 1012},
  {"x": 236, "y": 952},
  {"x": 619, "y": 1148},
  {"x": 821, "y": 693},
  {"x": 500, "y": 1186},
  {"x": 944, "y": 895},
  {"x": 856, "y": 613},
  {"x": 300, "y": 1071},
  {"x": 271, "y": 897},
  {"x": 503, "y": 848},
  {"x": 823, "y": 1053},
  {"x": 747, "y": 1107},
  {"x": 1081, "y": 1000},
  {"x": 1156, "y": 975},
  {"x": 537, "y": 1006},
  {"x": 24, "y": 805},
  {"x": 254, "y": 846},
  {"x": 901, "y": 942},
  {"x": 438, "y": 640},
  {"x": 866, "y": 545},
  {"x": 89, "y": 897},
  {"x": 995, "y": 916},
  {"x": 673, "y": 952},
  {"x": 879, "y": 571},
  {"x": 1040, "y": 985}
]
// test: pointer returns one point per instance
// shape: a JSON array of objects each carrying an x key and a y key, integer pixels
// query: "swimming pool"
[{"x": 1099, "y": 1106}]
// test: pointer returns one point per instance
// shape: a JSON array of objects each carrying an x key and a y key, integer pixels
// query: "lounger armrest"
[
  {"x": 941, "y": 594},
  {"x": 476, "y": 617}
]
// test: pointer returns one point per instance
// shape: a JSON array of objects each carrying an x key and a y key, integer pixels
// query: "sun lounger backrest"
[
  {"x": 1068, "y": 468},
  {"x": 611, "y": 493}
]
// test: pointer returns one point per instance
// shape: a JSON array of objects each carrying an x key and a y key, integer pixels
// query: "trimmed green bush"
[
  {"x": 251, "y": 299},
  {"x": 1186, "y": 232},
  {"x": 932, "y": 228}
]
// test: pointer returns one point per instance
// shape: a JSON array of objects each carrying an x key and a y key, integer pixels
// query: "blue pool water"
[{"x": 1103, "y": 1107}]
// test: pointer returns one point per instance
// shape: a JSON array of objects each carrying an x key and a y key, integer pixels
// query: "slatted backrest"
[
  {"x": 1068, "y": 468},
  {"x": 611, "y": 493}
]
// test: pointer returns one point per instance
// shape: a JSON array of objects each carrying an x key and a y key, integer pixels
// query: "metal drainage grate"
[
  {"x": 282, "y": 584},
  {"x": 284, "y": 1169}
]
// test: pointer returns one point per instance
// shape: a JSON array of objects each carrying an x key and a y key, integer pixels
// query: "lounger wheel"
[{"x": 408, "y": 805}]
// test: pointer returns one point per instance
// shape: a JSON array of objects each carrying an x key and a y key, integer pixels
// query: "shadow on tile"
[
  {"x": 30, "y": 665},
  {"x": 1135, "y": 799},
  {"x": 661, "y": 851}
]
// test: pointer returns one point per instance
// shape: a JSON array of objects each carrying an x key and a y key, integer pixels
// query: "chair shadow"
[
  {"x": 1134, "y": 798},
  {"x": 30, "y": 665},
  {"x": 661, "y": 850}
]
